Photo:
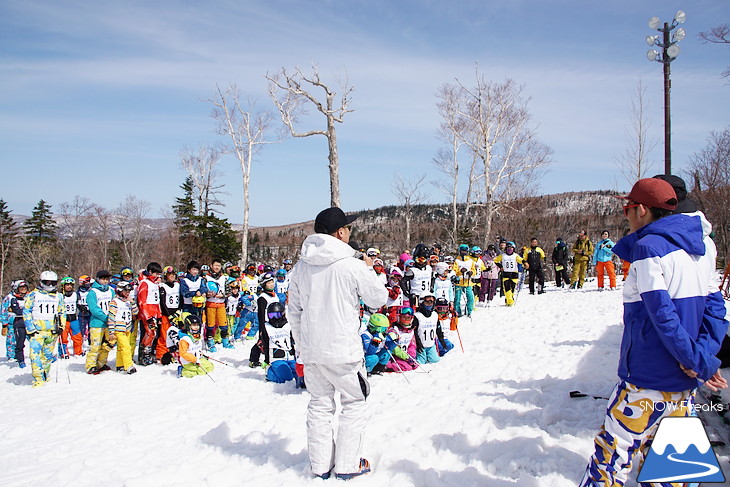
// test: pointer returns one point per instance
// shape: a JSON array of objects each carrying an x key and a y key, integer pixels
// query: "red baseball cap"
[{"x": 654, "y": 193}]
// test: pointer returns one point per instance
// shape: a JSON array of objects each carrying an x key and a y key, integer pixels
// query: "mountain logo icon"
[{"x": 681, "y": 452}]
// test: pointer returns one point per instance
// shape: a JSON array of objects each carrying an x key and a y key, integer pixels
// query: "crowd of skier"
[{"x": 184, "y": 316}]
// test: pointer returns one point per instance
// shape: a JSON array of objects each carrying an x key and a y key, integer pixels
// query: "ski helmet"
[
  {"x": 169, "y": 270},
  {"x": 227, "y": 265},
  {"x": 281, "y": 273},
  {"x": 251, "y": 267},
  {"x": 449, "y": 259},
  {"x": 48, "y": 281},
  {"x": 463, "y": 248},
  {"x": 126, "y": 271},
  {"x": 378, "y": 323},
  {"x": 269, "y": 276},
  {"x": 378, "y": 262},
  {"x": 287, "y": 262},
  {"x": 67, "y": 280},
  {"x": 213, "y": 287},
  {"x": 232, "y": 283},
  {"x": 123, "y": 287},
  {"x": 372, "y": 252},
  {"x": 84, "y": 280},
  {"x": 441, "y": 268},
  {"x": 442, "y": 306},
  {"x": 427, "y": 295},
  {"x": 276, "y": 314},
  {"x": 205, "y": 267},
  {"x": 409, "y": 263},
  {"x": 405, "y": 317},
  {"x": 261, "y": 268},
  {"x": 395, "y": 271},
  {"x": 16, "y": 285},
  {"x": 476, "y": 250}
]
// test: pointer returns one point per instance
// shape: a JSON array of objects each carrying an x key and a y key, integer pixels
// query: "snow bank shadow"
[
  {"x": 260, "y": 448},
  {"x": 467, "y": 477}
]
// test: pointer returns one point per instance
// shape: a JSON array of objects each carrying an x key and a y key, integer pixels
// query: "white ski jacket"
[{"x": 326, "y": 287}]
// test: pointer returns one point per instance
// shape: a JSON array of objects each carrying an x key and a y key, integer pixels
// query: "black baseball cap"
[
  {"x": 103, "y": 274},
  {"x": 684, "y": 205},
  {"x": 331, "y": 220}
]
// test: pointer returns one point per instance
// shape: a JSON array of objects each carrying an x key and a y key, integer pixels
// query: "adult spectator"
[
  {"x": 603, "y": 261},
  {"x": 326, "y": 287},
  {"x": 560, "y": 257},
  {"x": 582, "y": 253},
  {"x": 672, "y": 329},
  {"x": 534, "y": 256}
]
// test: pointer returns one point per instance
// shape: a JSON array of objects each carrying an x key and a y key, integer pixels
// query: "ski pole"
[
  {"x": 206, "y": 373},
  {"x": 460, "y": 342},
  {"x": 400, "y": 370},
  {"x": 219, "y": 361}
]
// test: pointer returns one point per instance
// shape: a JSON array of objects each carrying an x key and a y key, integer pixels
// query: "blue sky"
[{"x": 99, "y": 97}]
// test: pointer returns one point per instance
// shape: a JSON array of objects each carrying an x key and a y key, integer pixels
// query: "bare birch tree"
[
  {"x": 134, "y": 233},
  {"x": 718, "y": 35},
  {"x": 202, "y": 166},
  {"x": 291, "y": 92},
  {"x": 634, "y": 163},
  {"x": 249, "y": 130},
  {"x": 75, "y": 228},
  {"x": 408, "y": 192},
  {"x": 495, "y": 128}
]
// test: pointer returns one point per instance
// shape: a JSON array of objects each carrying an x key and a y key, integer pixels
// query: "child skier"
[
  {"x": 428, "y": 330},
  {"x": 215, "y": 307},
  {"x": 70, "y": 308},
  {"x": 44, "y": 319},
  {"x": 282, "y": 285},
  {"x": 98, "y": 302},
  {"x": 12, "y": 322},
  {"x": 443, "y": 287},
  {"x": 405, "y": 333},
  {"x": 233, "y": 307},
  {"x": 448, "y": 322},
  {"x": 84, "y": 314},
  {"x": 169, "y": 306},
  {"x": 278, "y": 345},
  {"x": 192, "y": 295},
  {"x": 508, "y": 262},
  {"x": 191, "y": 348},
  {"x": 122, "y": 310},
  {"x": 379, "y": 345},
  {"x": 266, "y": 297},
  {"x": 395, "y": 294},
  {"x": 464, "y": 268},
  {"x": 150, "y": 314},
  {"x": 490, "y": 277}
]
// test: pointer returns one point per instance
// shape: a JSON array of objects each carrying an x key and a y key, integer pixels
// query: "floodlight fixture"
[
  {"x": 652, "y": 54},
  {"x": 654, "y": 23},
  {"x": 678, "y": 35},
  {"x": 651, "y": 40},
  {"x": 673, "y": 51},
  {"x": 680, "y": 17}
]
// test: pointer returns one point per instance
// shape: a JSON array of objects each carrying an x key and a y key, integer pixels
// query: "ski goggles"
[
  {"x": 428, "y": 301},
  {"x": 275, "y": 315}
]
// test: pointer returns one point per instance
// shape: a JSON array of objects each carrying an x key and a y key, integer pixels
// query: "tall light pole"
[{"x": 670, "y": 51}]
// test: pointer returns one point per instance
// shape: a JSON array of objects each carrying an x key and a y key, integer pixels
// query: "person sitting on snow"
[
  {"x": 191, "y": 348},
  {"x": 403, "y": 328},
  {"x": 379, "y": 345},
  {"x": 278, "y": 345},
  {"x": 428, "y": 330}
]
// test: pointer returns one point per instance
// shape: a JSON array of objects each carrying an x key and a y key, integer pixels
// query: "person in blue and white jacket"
[{"x": 673, "y": 328}]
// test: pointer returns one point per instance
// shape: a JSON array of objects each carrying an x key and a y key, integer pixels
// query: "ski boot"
[
  {"x": 254, "y": 365},
  {"x": 299, "y": 382},
  {"x": 179, "y": 371},
  {"x": 21, "y": 365},
  {"x": 132, "y": 370},
  {"x": 227, "y": 343},
  {"x": 211, "y": 345}
]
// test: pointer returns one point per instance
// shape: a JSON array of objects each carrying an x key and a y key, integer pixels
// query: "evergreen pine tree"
[
  {"x": 184, "y": 209},
  {"x": 8, "y": 237},
  {"x": 218, "y": 238},
  {"x": 41, "y": 227}
]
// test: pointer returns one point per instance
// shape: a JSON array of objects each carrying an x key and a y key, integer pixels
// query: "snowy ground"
[{"x": 497, "y": 415}]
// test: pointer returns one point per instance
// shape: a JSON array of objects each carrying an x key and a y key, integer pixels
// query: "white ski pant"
[{"x": 325, "y": 450}]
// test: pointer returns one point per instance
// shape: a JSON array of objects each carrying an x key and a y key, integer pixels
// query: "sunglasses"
[
  {"x": 628, "y": 207},
  {"x": 349, "y": 227}
]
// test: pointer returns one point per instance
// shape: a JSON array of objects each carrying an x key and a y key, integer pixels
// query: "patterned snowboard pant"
[{"x": 632, "y": 418}]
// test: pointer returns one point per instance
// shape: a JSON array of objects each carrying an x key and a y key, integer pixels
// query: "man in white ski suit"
[{"x": 326, "y": 287}]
